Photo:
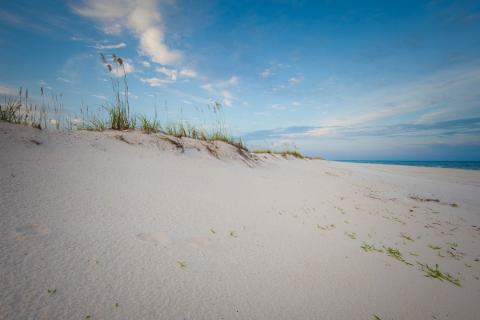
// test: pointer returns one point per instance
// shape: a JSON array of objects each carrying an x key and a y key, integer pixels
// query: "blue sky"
[{"x": 386, "y": 80}]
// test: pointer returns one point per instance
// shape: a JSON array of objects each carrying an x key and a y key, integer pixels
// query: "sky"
[{"x": 358, "y": 80}]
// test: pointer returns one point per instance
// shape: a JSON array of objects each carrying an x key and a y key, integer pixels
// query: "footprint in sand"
[
  {"x": 30, "y": 231},
  {"x": 157, "y": 238}
]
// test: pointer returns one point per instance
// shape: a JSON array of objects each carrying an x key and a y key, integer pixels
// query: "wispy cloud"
[
  {"x": 266, "y": 73},
  {"x": 142, "y": 18},
  {"x": 278, "y": 107},
  {"x": 447, "y": 91},
  {"x": 13, "y": 19},
  {"x": 279, "y": 133},
  {"x": 127, "y": 68},
  {"x": 174, "y": 74},
  {"x": 221, "y": 89},
  {"x": 7, "y": 91},
  {"x": 188, "y": 73},
  {"x": 156, "y": 82},
  {"x": 467, "y": 126},
  {"x": 292, "y": 106},
  {"x": 271, "y": 70},
  {"x": 293, "y": 81},
  {"x": 290, "y": 83},
  {"x": 100, "y": 46},
  {"x": 101, "y": 97},
  {"x": 170, "y": 73},
  {"x": 61, "y": 79},
  {"x": 432, "y": 116}
]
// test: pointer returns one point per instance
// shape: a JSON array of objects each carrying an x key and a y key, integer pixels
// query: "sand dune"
[{"x": 123, "y": 225}]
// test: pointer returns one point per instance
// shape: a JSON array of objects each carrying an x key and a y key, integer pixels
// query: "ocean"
[{"x": 469, "y": 165}]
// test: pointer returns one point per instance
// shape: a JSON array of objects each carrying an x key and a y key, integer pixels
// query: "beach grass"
[
  {"x": 114, "y": 115},
  {"x": 370, "y": 248},
  {"x": 436, "y": 273},
  {"x": 284, "y": 153},
  {"x": 396, "y": 254}
]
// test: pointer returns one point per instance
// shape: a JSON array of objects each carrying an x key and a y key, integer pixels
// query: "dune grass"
[
  {"x": 148, "y": 125},
  {"x": 9, "y": 111},
  {"x": 293, "y": 153},
  {"x": 284, "y": 153},
  {"x": 49, "y": 112},
  {"x": 18, "y": 110}
]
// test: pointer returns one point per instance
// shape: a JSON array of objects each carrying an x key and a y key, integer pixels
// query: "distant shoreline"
[{"x": 467, "y": 165}]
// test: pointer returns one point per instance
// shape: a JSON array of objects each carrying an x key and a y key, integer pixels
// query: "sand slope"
[{"x": 129, "y": 226}]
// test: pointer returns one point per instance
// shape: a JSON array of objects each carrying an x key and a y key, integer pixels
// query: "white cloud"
[
  {"x": 266, "y": 73},
  {"x": 63, "y": 80},
  {"x": 156, "y": 82},
  {"x": 171, "y": 73},
  {"x": 227, "y": 98},
  {"x": 294, "y": 81},
  {"x": 141, "y": 17},
  {"x": 188, "y": 73},
  {"x": 101, "y": 97},
  {"x": 146, "y": 64},
  {"x": 44, "y": 85},
  {"x": 272, "y": 69},
  {"x": 432, "y": 117},
  {"x": 99, "y": 46},
  {"x": 220, "y": 89},
  {"x": 296, "y": 104},
  {"x": 278, "y": 107},
  {"x": 6, "y": 91},
  {"x": 233, "y": 81},
  {"x": 208, "y": 87},
  {"x": 127, "y": 67}
]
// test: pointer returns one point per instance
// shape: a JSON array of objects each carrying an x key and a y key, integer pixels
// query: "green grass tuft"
[
  {"x": 370, "y": 248},
  {"x": 285, "y": 153},
  {"x": 149, "y": 126},
  {"x": 437, "y": 274},
  {"x": 396, "y": 254}
]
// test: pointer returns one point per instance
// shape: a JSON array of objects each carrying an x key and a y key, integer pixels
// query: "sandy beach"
[{"x": 124, "y": 225}]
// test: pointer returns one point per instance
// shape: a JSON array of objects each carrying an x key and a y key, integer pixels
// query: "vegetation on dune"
[
  {"x": 119, "y": 111},
  {"x": 19, "y": 110},
  {"x": 114, "y": 115},
  {"x": 284, "y": 153}
]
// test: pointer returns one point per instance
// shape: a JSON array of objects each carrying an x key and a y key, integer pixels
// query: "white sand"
[{"x": 172, "y": 235}]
